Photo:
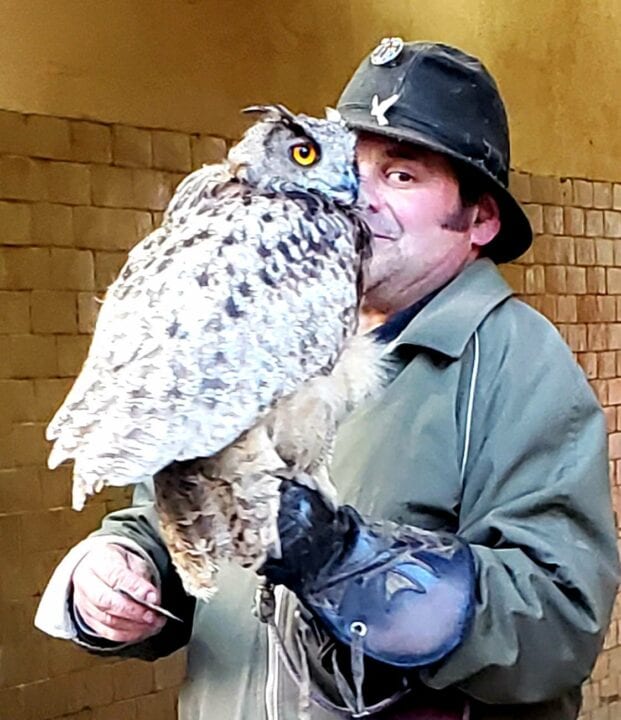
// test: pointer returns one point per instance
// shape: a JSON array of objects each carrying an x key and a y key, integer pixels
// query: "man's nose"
[{"x": 369, "y": 197}]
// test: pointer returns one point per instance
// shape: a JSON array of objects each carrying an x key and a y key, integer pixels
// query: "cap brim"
[{"x": 515, "y": 236}]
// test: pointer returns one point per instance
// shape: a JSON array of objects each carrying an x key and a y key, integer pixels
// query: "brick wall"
[
  {"x": 572, "y": 275},
  {"x": 74, "y": 196}
]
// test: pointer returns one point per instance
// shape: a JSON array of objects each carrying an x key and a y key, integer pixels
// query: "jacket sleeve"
[
  {"x": 537, "y": 515},
  {"x": 139, "y": 524}
]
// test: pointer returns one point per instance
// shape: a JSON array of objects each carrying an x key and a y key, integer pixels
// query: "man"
[{"x": 481, "y": 580}]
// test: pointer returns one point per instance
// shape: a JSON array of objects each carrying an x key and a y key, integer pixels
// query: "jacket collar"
[{"x": 448, "y": 322}]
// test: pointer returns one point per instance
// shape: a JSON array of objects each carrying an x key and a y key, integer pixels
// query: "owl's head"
[{"x": 284, "y": 152}]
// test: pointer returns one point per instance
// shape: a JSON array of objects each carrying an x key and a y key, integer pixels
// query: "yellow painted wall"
[{"x": 191, "y": 64}]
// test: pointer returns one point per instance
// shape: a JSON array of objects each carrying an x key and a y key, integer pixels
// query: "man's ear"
[{"x": 486, "y": 223}]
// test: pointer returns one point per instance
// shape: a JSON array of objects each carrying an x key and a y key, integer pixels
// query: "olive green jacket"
[{"x": 491, "y": 431}]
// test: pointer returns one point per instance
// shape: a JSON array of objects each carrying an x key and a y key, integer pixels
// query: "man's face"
[{"x": 416, "y": 189}]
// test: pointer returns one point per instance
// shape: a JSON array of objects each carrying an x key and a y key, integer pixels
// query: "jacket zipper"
[{"x": 273, "y": 670}]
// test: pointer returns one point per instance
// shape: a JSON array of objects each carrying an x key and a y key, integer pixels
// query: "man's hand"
[{"x": 110, "y": 614}]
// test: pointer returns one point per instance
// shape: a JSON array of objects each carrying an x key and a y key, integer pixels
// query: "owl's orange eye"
[{"x": 305, "y": 154}]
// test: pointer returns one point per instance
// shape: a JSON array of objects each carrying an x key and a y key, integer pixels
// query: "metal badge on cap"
[{"x": 388, "y": 50}]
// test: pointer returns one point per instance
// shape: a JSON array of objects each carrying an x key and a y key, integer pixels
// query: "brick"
[
  {"x": 12, "y": 135},
  {"x": 614, "y": 336},
  {"x": 18, "y": 400},
  {"x": 107, "y": 228},
  {"x": 112, "y": 186},
  {"x": 611, "y": 418},
  {"x": 545, "y": 190},
  {"x": 604, "y": 252},
  {"x": 596, "y": 308},
  {"x": 575, "y": 336},
  {"x": 19, "y": 492},
  {"x": 576, "y": 280},
  {"x": 600, "y": 388},
  {"x": 613, "y": 280},
  {"x": 612, "y": 224},
  {"x": 151, "y": 189},
  {"x": 583, "y": 193},
  {"x": 72, "y": 351},
  {"x": 51, "y": 224},
  {"x": 594, "y": 223},
  {"x": 66, "y": 657},
  {"x": 614, "y": 445},
  {"x": 597, "y": 336},
  {"x": 534, "y": 279},
  {"x": 88, "y": 308},
  {"x": 47, "y": 137},
  {"x": 30, "y": 447},
  {"x": 25, "y": 268},
  {"x": 170, "y": 671},
  {"x": 588, "y": 362},
  {"x": 54, "y": 311},
  {"x": 107, "y": 267},
  {"x": 72, "y": 269},
  {"x": 602, "y": 195},
  {"x": 14, "y": 223},
  {"x": 143, "y": 223},
  {"x": 67, "y": 183},
  {"x": 7, "y": 454},
  {"x": 553, "y": 220},
  {"x": 555, "y": 279},
  {"x": 554, "y": 250},
  {"x": 596, "y": 280},
  {"x": 131, "y": 146},
  {"x": 614, "y": 391},
  {"x": 33, "y": 356},
  {"x": 207, "y": 150},
  {"x": 616, "y": 196},
  {"x": 132, "y": 678},
  {"x": 566, "y": 309},
  {"x": 171, "y": 151},
  {"x": 53, "y": 529},
  {"x": 157, "y": 706},
  {"x": 12, "y": 700},
  {"x": 573, "y": 221},
  {"x": 535, "y": 217},
  {"x": 95, "y": 686},
  {"x": 21, "y": 179},
  {"x": 514, "y": 275},
  {"x": 90, "y": 142},
  {"x": 585, "y": 251},
  {"x": 23, "y": 662},
  {"x": 49, "y": 394},
  {"x": 125, "y": 710},
  {"x": 606, "y": 368},
  {"x": 566, "y": 191},
  {"x": 55, "y": 487},
  {"x": 14, "y": 312},
  {"x": 50, "y": 698}
]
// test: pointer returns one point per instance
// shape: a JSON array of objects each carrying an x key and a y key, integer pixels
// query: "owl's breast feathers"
[{"x": 237, "y": 300}]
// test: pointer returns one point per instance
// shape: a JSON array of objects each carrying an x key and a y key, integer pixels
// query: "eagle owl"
[{"x": 224, "y": 355}]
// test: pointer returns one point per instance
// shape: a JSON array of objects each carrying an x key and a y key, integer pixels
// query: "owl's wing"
[{"x": 236, "y": 306}]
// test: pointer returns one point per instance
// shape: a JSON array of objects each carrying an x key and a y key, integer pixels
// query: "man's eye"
[{"x": 400, "y": 177}]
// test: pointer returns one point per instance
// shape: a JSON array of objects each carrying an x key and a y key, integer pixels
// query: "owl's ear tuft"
[{"x": 278, "y": 113}]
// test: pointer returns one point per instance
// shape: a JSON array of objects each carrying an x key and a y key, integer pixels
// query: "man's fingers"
[
  {"x": 90, "y": 587},
  {"x": 121, "y": 577},
  {"x": 116, "y": 629},
  {"x": 97, "y": 581}
]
